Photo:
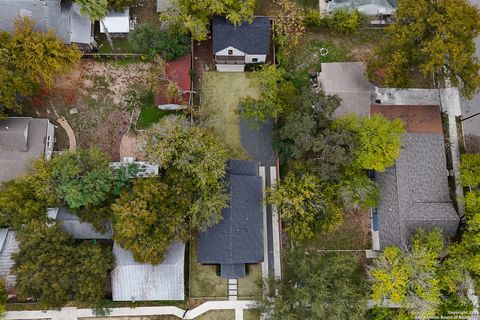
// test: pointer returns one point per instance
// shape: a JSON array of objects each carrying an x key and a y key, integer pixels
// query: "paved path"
[
  {"x": 450, "y": 103},
  {"x": 72, "y": 141},
  {"x": 74, "y": 313},
  {"x": 256, "y": 139}
]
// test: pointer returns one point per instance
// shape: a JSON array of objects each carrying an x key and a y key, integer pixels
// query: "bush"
[
  {"x": 344, "y": 21},
  {"x": 153, "y": 40},
  {"x": 312, "y": 18}
]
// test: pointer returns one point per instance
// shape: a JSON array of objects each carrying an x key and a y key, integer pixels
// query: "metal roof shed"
[
  {"x": 133, "y": 281},
  {"x": 117, "y": 22}
]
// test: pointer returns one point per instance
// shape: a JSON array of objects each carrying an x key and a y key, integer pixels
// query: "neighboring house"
[
  {"x": 235, "y": 46},
  {"x": 62, "y": 17},
  {"x": 8, "y": 246},
  {"x": 78, "y": 230},
  {"x": 414, "y": 192},
  {"x": 143, "y": 169},
  {"x": 367, "y": 7},
  {"x": 22, "y": 140},
  {"x": 116, "y": 22},
  {"x": 237, "y": 240},
  {"x": 347, "y": 80},
  {"x": 177, "y": 73},
  {"x": 133, "y": 281},
  {"x": 163, "y": 5}
]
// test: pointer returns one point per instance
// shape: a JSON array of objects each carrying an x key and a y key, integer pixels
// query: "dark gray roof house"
[
  {"x": 250, "y": 38},
  {"x": 237, "y": 239},
  {"x": 414, "y": 193},
  {"x": 62, "y": 17},
  {"x": 22, "y": 140}
]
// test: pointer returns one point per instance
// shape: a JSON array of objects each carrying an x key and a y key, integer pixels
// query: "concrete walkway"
[
  {"x": 450, "y": 103},
  {"x": 74, "y": 313},
  {"x": 72, "y": 141}
]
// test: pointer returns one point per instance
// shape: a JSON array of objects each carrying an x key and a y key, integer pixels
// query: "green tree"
[
  {"x": 380, "y": 140},
  {"x": 82, "y": 178},
  {"x": 3, "y": 298},
  {"x": 120, "y": 5},
  {"x": 318, "y": 286},
  {"x": 34, "y": 191},
  {"x": 175, "y": 144},
  {"x": 343, "y": 21},
  {"x": 417, "y": 278},
  {"x": 52, "y": 270},
  {"x": 193, "y": 16},
  {"x": 150, "y": 217},
  {"x": 430, "y": 37},
  {"x": 470, "y": 170},
  {"x": 29, "y": 60},
  {"x": 270, "y": 81},
  {"x": 155, "y": 40},
  {"x": 306, "y": 205}
]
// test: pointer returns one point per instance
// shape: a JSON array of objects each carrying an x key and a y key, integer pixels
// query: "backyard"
[
  {"x": 219, "y": 107},
  {"x": 97, "y": 99}
]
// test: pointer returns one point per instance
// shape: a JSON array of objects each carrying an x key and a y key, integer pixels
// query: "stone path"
[
  {"x": 232, "y": 289},
  {"x": 72, "y": 141},
  {"x": 74, "y": 313}
]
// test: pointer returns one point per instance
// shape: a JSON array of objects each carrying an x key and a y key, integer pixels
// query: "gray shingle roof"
[
  {"x": 238, "y": 238},
  {"x": 140, "y": 282},
  {"x": 14, "y": 158},
  {"x": 63, "y": 18},
  {"x": 71, "y": 224},
  {"x": 414, "y": 193},
  {"x": 249, "y": 38},
  {"x": 14, "y": 133}
]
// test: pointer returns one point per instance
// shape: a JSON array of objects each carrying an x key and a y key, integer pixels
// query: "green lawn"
[
  {"x": 151, "y": 115},
  {"x": 251, "y": 285},
  {"x": 221, "y": 93},
  {"x": 121, "y": 45},
  {"x": 218, "y": 315},
  {"x": 204, "y": 282}
]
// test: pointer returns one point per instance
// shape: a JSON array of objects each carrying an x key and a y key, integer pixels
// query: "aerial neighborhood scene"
[{"x": 230, "y": 160}]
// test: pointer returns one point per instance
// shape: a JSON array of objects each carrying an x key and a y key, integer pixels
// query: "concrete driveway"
[{"x": 471, "y": 127}]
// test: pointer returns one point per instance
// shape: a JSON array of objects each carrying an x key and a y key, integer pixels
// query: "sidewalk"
[{"x": 74, "y": 313}]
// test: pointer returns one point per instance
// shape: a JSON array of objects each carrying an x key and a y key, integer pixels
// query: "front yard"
[
  {"x": 204, "y": 282},
  {"x": 219, "y": 110}
]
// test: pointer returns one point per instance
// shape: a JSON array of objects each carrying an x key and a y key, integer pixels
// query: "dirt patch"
[
  {"x": 95, "y": 100},
  {"x": 129, "y": 147}
]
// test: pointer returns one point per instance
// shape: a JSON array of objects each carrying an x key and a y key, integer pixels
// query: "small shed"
[
  {"x": 134, "y": 281},
  {"x": 117, "y": 22}
]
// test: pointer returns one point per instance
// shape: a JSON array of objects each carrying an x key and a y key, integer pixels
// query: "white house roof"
[
  {"x": 133, "y": 281},
  {"x": 117, "y": 22}
]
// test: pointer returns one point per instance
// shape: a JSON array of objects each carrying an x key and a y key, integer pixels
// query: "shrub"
[
  {"x": 344, "y": 21},
  {"x": 152, "y": 40},
  {"x": 312, "y": 18}
]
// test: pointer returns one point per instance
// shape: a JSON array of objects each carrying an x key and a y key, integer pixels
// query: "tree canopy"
[
  {"x": 174, "y": 144},
  {"x": 430, "y": 37},
  {"x": 82, "y": 178},
  {"x": 193, "y": 16},
  {"x": 470, "y": 170},
  {"x": 380, "y": 140},
  {"x": 50, "y": 268},
  {"x": 151, "y": 216},
  {"x": 30, "y": 59},
  {"x": 420, "y": 279},
  {"x": 271, "y": 83},
  {"x": 318, "y": 286}
]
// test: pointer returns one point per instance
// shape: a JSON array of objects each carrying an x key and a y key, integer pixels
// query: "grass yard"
[
  {"x": 218, "y": 315},
  {"x": 353, "y": 234},
  {"x": 151, "y": 115},
  {"x": 250, "y": 315},
  {"x": 251, "y": 285},
  {"x": 121, "y": 45},
  {"x": 204, "y": 282},
  {"x": 221, "y": 93}
]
